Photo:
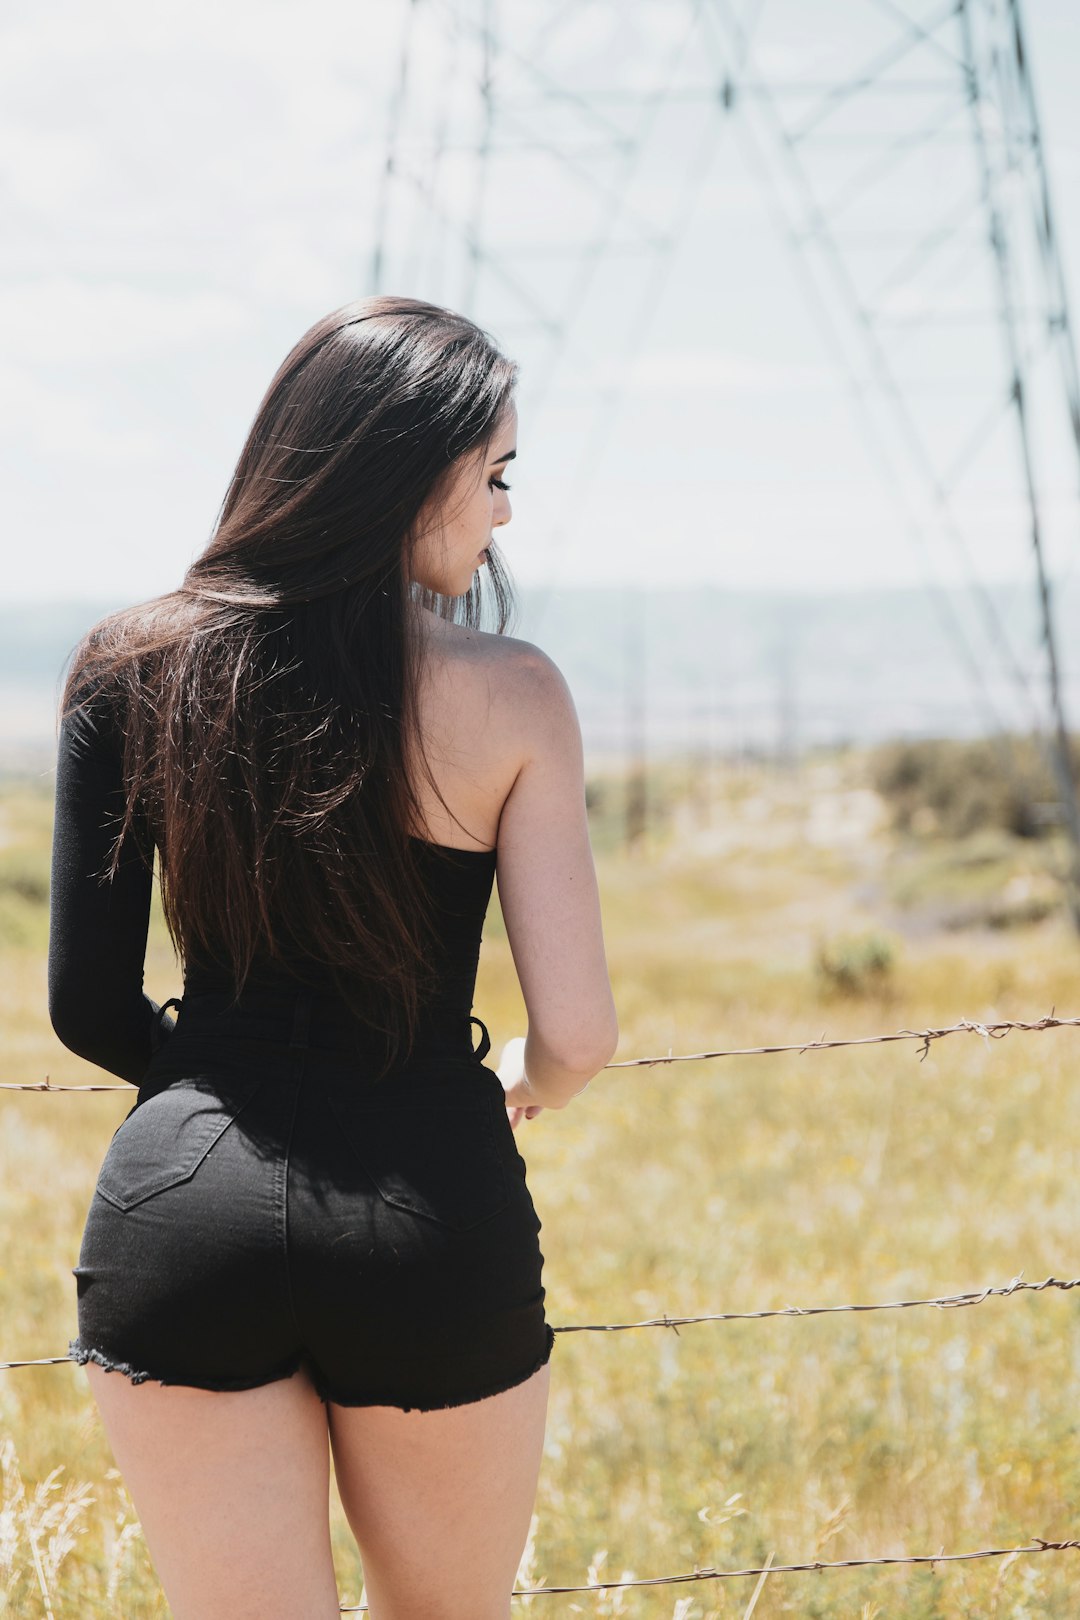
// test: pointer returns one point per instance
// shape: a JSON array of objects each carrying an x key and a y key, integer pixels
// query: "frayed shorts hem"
[
  {"x": 81, "y": 1354},
  {"x": 139, "y": 1375}
]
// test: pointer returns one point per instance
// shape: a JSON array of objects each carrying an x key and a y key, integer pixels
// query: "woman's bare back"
[{"x": 474, "y": 716}]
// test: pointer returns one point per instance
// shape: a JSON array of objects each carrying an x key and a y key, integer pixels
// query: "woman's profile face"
[{"x": 451, "y": 540}]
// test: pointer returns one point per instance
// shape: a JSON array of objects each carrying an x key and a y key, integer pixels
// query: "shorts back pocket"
[
  {"x": 165, "y": 1138},
  {"x": 434, "y": 1156}
]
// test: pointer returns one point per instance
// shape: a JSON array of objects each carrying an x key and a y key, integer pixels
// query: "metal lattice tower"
[
  {"x": 497, "y": 98},
  {"x": 932, "y": 261},
  {"x": 901, "y": 153}
]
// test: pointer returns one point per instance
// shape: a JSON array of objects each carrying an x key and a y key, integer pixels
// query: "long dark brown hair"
[{"x": 268, "y": 706}]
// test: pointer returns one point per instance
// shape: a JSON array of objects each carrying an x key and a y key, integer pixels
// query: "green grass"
[{"x": 860, "y": 1174}]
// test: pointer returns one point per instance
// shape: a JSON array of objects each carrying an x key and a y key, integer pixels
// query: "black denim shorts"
[{"x": 263, "y": 1206}]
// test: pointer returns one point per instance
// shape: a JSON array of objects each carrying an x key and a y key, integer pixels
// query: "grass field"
[{"x": 766, "y": 908}]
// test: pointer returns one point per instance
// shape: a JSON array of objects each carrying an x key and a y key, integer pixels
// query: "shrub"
[
  {"x": 856, "y": 964},
  {"x": 954, "y": 788}
]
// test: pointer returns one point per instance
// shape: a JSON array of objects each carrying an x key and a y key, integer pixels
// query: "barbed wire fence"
[{"x": 989, "y": 1031}]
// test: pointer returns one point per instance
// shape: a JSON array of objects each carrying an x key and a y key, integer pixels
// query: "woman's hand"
[{"x": 511, "y": 1071}]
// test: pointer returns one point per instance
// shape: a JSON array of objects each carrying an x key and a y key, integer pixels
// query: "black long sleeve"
[{"x": 98, "y": 930}]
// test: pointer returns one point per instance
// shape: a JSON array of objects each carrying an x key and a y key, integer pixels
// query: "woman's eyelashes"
[{"x": 497, "y": 483}]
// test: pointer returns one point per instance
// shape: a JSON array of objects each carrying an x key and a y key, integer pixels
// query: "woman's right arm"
[{"x": 548, "y": 891}]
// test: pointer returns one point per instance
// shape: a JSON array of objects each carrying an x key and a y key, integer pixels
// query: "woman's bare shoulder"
[
  {"x": 512, "y": 675},
  {"x": 489, "y": 704}
]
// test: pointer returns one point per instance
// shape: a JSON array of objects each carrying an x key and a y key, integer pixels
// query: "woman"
[{"x": 312, "y": 1231}]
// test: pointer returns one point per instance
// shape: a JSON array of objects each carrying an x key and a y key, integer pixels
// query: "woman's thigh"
[
  {"x": 232, "y": 1490},
  {"x": 440, "y": 1502}
]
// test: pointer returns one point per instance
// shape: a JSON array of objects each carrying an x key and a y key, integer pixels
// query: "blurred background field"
[
  {"x": 796, "y": 514},
  {"x": 845, "y": 893}
]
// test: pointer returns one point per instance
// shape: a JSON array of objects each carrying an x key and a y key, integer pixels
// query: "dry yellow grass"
[{"x": 740, "y": 1184}]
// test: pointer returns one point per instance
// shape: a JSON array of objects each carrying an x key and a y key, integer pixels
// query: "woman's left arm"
[{"x": 98, "y": 930}]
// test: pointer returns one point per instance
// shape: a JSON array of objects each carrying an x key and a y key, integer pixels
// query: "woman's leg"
[
  {"x": 232, "y": 1490},
  {"x": 440, "y": 1502}
]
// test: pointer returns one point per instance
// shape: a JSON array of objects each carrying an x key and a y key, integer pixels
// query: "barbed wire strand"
[
  {"x": 47, "y": 1085},
  {"x": 990, "y": 1031},
  {"x": 947, "y": 1302},
  {"x": 711, "y": 1574},
  {"x": 994, "y": 1031}
]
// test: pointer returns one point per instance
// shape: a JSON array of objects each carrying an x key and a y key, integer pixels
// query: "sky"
[{"x": 188, "y": 186}]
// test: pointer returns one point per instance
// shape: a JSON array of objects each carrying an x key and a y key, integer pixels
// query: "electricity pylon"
[{"x": 902, "y": 155}]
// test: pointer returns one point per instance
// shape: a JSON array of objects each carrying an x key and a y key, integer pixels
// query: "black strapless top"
[{"x": 459, "y": 883}]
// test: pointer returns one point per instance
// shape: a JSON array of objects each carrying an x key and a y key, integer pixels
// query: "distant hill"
[{"x": 697, "y": 667}]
